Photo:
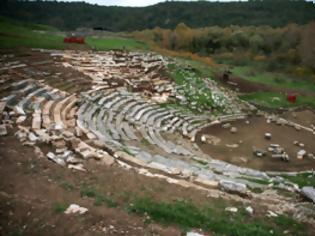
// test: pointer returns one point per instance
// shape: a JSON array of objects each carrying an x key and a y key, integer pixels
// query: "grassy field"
[
  {"x": 15, "y": 34},
  {"x": 277, "y": 100},
  {"x": 210, "y": 217},
  {"x": 274, "y": 79},
  {"x": 214, "y": 219},
  {"x": 115, "y": 43}
]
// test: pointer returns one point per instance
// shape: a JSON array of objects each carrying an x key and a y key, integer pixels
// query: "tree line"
[
  {"x": 70, "y": 15},
  {"x": 289, "y": 45}
]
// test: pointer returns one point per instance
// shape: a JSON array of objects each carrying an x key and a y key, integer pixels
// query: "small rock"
[
  {"x": 250, "y": 210},
  {"x": 247, "y": 122},
  {"x": 233, "y": 130},
  {"x": 235, "y": 145},
  {"x": 311, "y": 156},
  {"x": 111, "y": 227},
  {"x": 309, "y": 193},
  {"x": 32, "y": 137},
  {"x": 270, "y": 149},
  {"x": 213, "y": 140},
  {"x": 19, "y": 110},
  {"x": 79, "y": 167},
  {"x": 272, "y": 214},
  {"x": 281, "y": 121},
  {"x": 74, "y": 208},
  {"x": 268, "y": 136},
  {"x": 233, "y": 187},
  {"x": 20, "y": 119},
  {"x": 3, "y": 130},
  {"x": 193, "y": 234},
  {"x": 226, "y": 125},
  {"x": 301, "y": 145},
  {"x": 297, "y": 127},
  {"x": 301, "y": 154},
  {"x": 42, "y": 135},
  {"x": 56, "y": 159},
  {"x": 258, "y": 153},
  {"x": 60, "y": 150},
  {"x": 73, "y": 160},
  {"x": 273, "y": 145},
  {"x": 58, "y": 127},
  {"x": 231, "y": 209}
]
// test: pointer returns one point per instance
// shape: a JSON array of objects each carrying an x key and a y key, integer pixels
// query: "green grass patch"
[
  {"x": 275, "y": 100},
  {"x": 29, "y": 26},
  {"x": 274, "y": 79},
  {"x": 16, "y": 34},
  {"x": 187, "y": 215},
  {"x": 99, "y": 199},
  {"x": 285, "y": 222},
  {"x": 60, "y": 207},
  {"x": 115, "y": 43},
  {"x": 199, "y": 68},
  {"x": 254, "y": 180},
  {"x": 201, "y": 162},
  {"x": 303, "y": 179}
]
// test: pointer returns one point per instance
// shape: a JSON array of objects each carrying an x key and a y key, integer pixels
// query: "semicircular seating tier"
[{"x": 119, "y": 121}]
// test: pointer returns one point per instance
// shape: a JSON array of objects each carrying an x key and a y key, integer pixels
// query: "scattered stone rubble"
[
  {"x": 278, "y": 152},
  {"x": 76, "y": 209}
]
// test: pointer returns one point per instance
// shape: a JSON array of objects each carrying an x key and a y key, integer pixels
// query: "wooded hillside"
[{"x": 63, "y": 15}]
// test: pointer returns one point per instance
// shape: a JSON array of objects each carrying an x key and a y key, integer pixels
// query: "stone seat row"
[{"x": 119, "y": 116}]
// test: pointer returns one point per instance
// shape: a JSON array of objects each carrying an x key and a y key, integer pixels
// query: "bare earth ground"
[
  {"x": 31, "y": 187},
  {"x": 252, "y": 135},
  {"x": 303, "y": 117}
]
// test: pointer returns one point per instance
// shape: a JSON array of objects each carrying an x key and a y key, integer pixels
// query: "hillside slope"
[{"x": 166, "y": 15}]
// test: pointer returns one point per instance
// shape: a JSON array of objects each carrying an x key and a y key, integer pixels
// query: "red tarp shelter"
[{"x": 73, "y": 39}]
